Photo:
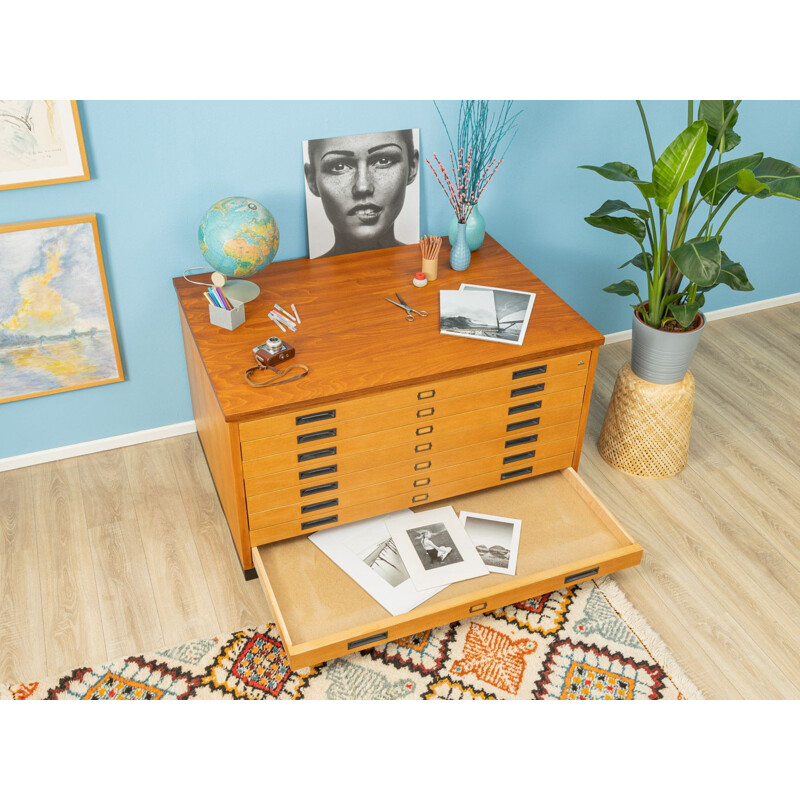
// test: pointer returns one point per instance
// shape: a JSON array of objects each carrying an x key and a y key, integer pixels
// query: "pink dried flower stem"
[{"x": 457, "y": 188}]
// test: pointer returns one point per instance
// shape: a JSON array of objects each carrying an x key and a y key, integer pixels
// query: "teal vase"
[
  {"x": 476, "y": 229},
  {"x": 460, "y": 253}
]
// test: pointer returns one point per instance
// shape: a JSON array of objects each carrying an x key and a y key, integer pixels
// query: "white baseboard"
[
  {"x": 733, "y": 311},
  {"x": 95, "y": 446},
  {"x": 180, "y": 428}
]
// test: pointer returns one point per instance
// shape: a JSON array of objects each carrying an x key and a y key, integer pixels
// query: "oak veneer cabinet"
[{"x": 395, "y": 415}]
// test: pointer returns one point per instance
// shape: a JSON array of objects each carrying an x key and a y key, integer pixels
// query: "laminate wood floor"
[{"x": 127, "y": 551}]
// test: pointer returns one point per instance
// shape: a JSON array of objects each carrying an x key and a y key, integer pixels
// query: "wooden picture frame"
[
  {"x": 57, "y": 331},
  {"x": 41, "y": 143}
]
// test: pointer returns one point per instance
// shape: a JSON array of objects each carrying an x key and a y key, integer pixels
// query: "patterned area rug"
[{"x": 583, "y": 643}]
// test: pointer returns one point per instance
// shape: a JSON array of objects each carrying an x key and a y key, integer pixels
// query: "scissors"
[{"x": 409, "y": 311}]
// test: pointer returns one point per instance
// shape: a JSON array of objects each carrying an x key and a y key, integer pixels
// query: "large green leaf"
[
  {"x": 615, "y": 171},
  {"x": 747, "y": 183},
  {"x": 685, "y": 314},
  {"x": 619, "y": 171},
  {"x": 639, "y": 261},
  {"x": 678, "y": 163},
  {"x": 781, "y": 178},
  {"x": 700, "y": 262},
  {"x": 622, "y": 225},
  {"x": 611, "y": 206},
  {"x": 732, "y": 274},
  {"x": 714, "y": 113},
  {"x": 646, "y": 188},
  {"x": 623, "y": 288},
  {"x": 720, "y": 180}
]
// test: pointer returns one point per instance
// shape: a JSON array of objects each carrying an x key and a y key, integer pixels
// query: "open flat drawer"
[{"x": 567, "y": 536}]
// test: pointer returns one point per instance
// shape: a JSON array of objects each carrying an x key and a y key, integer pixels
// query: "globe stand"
[{"x": 243, "y": 291}]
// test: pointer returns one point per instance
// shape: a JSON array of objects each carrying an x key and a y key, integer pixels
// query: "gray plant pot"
[{"x": 660, "y": 356}]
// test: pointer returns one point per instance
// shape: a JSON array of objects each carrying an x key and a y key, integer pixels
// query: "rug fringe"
[{"x": 652, "y": 642}]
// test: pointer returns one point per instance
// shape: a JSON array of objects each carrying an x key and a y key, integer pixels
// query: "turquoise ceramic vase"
[
  {"x": 476, "y": 229},
  {"x": 460, "y": 253}
]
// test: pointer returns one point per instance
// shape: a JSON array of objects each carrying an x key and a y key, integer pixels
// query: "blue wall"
[{"x": 157, "y": 166}]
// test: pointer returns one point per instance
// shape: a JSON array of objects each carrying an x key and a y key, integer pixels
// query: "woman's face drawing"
[{"x": 362, "y": 181}]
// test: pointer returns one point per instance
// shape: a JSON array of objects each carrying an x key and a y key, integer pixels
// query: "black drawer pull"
[
  {"x": 422, "y": 465},
  {"x": 426, "y": 395},
  {"x": 424, "y": 431},
  {"x": 519, "y": 456},
  {"x": 525, "y": 407},
  {"x": 319, "y": 488},
  {"x": 304, "y": 419},
  {"x": 418, "y": 498},
  {"x": 312, "y": 454},
  {"x": 522, "y": 440},
  {"x": 319, "y": 506},
  {"x": 477, "y": 607},
  {"x": 422, "y": 482},
  {"x": 378, "y": 637},
  {"x": 525, "y": 373},
  {"x": 534, "y": 387},
  {"x": 525, "y": 423},
  {"x": 315, "y": 473},
  {"x": 304, "y": 438},
  {"x": 516, "y": 473},
  {"x": 579, "y": 576},
  {"x": 318, "y": 523},
  {"x": 421, "y": 448},
  {"x": 426, "y": 412}
]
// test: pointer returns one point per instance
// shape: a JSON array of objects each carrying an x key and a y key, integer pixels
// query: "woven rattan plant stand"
[{"x": 647, "y": 426}]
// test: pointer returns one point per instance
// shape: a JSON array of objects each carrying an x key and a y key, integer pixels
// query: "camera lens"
[{"x": 273, "y": 344}]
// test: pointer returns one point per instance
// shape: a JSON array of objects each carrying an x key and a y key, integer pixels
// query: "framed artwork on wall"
[
  {"x": 56, "y": 328},
  {"x": 362, "y": 191},
  {"x": 41, "y": 142}
]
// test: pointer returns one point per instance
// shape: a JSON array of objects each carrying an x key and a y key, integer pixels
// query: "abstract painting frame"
[
  {"x": 57, "y": 330},
  {"x": 41, "y": 143}
]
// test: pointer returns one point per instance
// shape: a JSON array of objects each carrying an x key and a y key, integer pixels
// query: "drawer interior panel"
[
  {"x": 417, "y": 497},
  {"x": 393, "y": 478},
  {"x": 395, "y": 426},
  {"x": 514, "y": 376},
  {"x": 566, "y": 534},
  {"x": 404, "y": 458}
]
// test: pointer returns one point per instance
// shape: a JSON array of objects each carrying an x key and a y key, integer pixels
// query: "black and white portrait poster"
[{"x": 362, "y": 192}]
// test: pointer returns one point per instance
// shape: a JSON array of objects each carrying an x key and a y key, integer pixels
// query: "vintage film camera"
[{"x": 273, "y": 351}]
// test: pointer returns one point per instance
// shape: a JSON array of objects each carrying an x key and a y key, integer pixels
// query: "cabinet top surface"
[{"x": 354, "y": 342}]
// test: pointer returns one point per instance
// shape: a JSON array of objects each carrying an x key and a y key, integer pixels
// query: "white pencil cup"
[{"x": 227, "y": 319}]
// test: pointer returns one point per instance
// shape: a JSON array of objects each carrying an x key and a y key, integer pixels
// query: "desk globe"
[{"x": 238, "y": 237}]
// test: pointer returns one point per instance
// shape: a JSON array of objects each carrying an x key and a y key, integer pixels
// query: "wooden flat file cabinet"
[{"x": 395, "y": 415}]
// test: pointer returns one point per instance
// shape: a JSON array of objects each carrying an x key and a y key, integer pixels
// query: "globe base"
[{"x": 243, "y": 291}]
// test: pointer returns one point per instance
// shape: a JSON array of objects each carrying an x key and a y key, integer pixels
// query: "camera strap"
[{"x": 279, "y": 373}]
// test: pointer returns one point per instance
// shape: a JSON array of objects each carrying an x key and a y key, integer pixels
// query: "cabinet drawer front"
[
  {"x": 370, "y": 484},
  {"x": 397, "y": 460},
  {"x": 422, "y": 438},
  {"x": 422, "y": 395},
  {"x": 409, "y": 499},
  {"x": 392, "y": 427}
]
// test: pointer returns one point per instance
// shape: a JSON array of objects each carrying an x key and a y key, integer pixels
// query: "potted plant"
[{"x": 680, "y": 243}]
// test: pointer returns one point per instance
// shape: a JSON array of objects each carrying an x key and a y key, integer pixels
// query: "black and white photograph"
[
  {"x": 362, "y": 191},
  {"x": 512, "y": 311},
  {"x": 434, "y": 546},
  {"x": 466, "y": 313},
  {"x": 496, "y": 540},
  {"x": 367, "y": 553},
  {"x": 435, "y": 549}
]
